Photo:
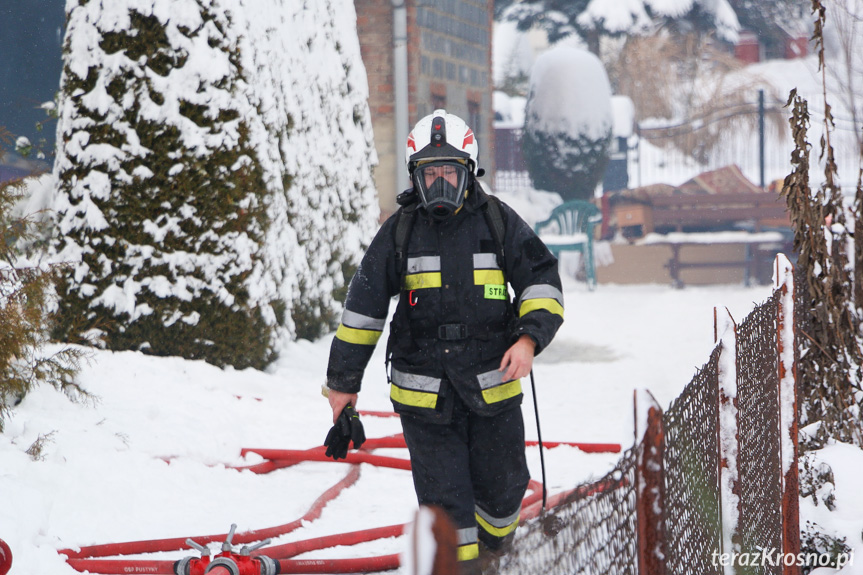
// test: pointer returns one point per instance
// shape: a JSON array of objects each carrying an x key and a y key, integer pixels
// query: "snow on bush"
[
  {"x": 637, "y": 17},
  {"x": 568, "y": 123},
  {"x": 214, "y": 166}
]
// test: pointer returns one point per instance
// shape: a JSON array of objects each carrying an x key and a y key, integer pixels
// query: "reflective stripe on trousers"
[{"x": 498, "y": 527}]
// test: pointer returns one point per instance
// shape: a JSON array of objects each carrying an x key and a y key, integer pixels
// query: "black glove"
[{"x": 348, "y": 428}]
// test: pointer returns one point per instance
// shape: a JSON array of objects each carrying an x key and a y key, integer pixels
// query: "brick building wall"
[{"x": 449, "y": 66}]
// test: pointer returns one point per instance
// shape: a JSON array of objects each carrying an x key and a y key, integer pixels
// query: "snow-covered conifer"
[
  {"x": 161, "y": 200},
  {"x": 307, "y": 79},
  {"x": 214, "y": 159}
]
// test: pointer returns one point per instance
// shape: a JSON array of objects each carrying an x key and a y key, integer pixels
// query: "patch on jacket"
[{"x": 495, "y": 291}]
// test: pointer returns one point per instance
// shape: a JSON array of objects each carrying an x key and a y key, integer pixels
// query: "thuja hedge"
[{"x": 191, "y": 291}]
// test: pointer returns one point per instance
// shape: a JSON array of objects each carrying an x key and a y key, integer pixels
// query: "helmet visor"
[{"x": 441, "y": 186}]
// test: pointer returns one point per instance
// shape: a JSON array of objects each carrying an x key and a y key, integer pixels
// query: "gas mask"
[{"x": 441, "y": 186}]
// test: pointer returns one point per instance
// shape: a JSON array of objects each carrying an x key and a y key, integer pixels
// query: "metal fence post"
[
  {"x": 725, "y": 331},
  {"x": 783, "y": 278},
  {"x": 650, "y": 477}
]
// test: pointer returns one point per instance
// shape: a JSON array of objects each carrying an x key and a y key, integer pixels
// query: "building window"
[
  {"x": 438, "y": 101},
  {"x": 474, "y": 118}
]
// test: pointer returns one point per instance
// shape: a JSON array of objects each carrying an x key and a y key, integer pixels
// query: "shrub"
[
  {"x": 26, "y": 286},
  {"x": 161, "y": 199},
  {"x": 567, "y": 130}
]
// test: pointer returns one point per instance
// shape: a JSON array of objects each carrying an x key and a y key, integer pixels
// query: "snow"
[
  {"x": 623, "y": 113},
  {"x": 729, "y": 475},
  {"x": 710, "y": 238},
  {"x": 724, "y": 17},
  {"x": 421, "y": 552},
  {"x": 570, "y": 94},
  {"x": 846, "y": 520},
  {"x": 511, "y": 110},
  {"x": 783, "y": 279},
  {"x": 513, "y": 52},
  {"x": 148, "y": 457},
  {"x": 626, "y": 15}
]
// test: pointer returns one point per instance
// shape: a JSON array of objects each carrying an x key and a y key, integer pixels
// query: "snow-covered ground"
[{"x": 147, "y": 458}]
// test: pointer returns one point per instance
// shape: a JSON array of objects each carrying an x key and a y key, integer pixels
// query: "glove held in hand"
[{"x": 348, "y": 428}]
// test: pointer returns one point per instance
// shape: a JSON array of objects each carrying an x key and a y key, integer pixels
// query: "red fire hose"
[
  {"x": 5, "y": 558},
  {"x": 152, "y": 546},
  {"x": 87, "y": 558},
  {"x": 365, "y": 565}
]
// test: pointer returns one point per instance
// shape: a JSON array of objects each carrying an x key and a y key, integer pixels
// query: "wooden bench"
[
  {"x": 570, "y": 227},
  {"x": 687, "y": 212}
]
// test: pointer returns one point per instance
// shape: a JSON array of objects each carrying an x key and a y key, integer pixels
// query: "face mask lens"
[{"x": 442, "y": 187}]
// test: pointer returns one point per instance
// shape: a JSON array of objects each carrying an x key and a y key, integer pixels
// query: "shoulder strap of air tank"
[
  {"x": 405, "y": 219},
  {"x": 496, "y": 222}
]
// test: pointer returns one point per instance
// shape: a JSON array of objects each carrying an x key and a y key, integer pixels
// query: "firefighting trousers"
[{"x": 475, "y": 468}]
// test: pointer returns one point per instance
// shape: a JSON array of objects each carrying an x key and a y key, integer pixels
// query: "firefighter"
[{"x": 458, "y": 346}]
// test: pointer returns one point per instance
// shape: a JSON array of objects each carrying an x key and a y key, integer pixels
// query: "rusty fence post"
[
  {"x": 650, "y": 477},
  {"x": 725, "y": 331},
  {"x": 783, "y": 279}
]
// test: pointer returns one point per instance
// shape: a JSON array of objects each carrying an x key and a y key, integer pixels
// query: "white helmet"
[
  {"x": 441, "y": 157},
  {"x": 441, "y": 136}
]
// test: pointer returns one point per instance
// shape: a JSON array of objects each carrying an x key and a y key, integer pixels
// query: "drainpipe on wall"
[{"x": 400, "y": 90}]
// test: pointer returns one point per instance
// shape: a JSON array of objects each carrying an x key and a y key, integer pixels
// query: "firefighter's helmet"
[{"x": 441, "y": 157}]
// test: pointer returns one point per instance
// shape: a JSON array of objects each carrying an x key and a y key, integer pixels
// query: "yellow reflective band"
[
  {"x": 468, "y": 552},
  {"x": 496, "y": 531},
  {"x": 358, "y": 336},
  {"x": 502, "y": 392},
  {"x": 546, "y": 303},
  {"x": 412, "y": 398},
  {"x": 420, "y": 281},
  {"x": 484, "y": 277}
]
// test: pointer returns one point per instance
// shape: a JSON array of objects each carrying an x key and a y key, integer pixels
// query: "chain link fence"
[
  {"x": 692, "y": 474},
  {"x": 759, "y": 435},
  {"x": 591, "y": 531},
  {"x": 600, "y": 527}
]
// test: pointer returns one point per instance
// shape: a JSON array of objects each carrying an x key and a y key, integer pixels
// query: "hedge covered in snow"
[{"x": 214, "y": 166}]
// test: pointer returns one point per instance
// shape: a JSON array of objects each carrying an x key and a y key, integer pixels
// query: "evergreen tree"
[
  {"x": 590, "y": 21},
  {"x": 161, "y": 200},
  {"x": 215, "y": 165},
  {"x": 314, "y": 103}
]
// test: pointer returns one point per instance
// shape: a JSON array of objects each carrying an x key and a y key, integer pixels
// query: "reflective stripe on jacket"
[{"x": 454, "y": 320}]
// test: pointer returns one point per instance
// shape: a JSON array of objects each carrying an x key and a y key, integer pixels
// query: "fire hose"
[{"x": 248, "y": 561}]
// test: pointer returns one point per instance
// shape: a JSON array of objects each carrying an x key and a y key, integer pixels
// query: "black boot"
[{"x": 489, "y": 557}]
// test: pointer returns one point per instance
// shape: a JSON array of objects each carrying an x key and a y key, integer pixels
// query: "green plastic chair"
[{"x": 570, "y": 227}]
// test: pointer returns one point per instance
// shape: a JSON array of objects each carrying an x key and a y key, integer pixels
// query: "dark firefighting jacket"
[{"x": 454, "y": 320}]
